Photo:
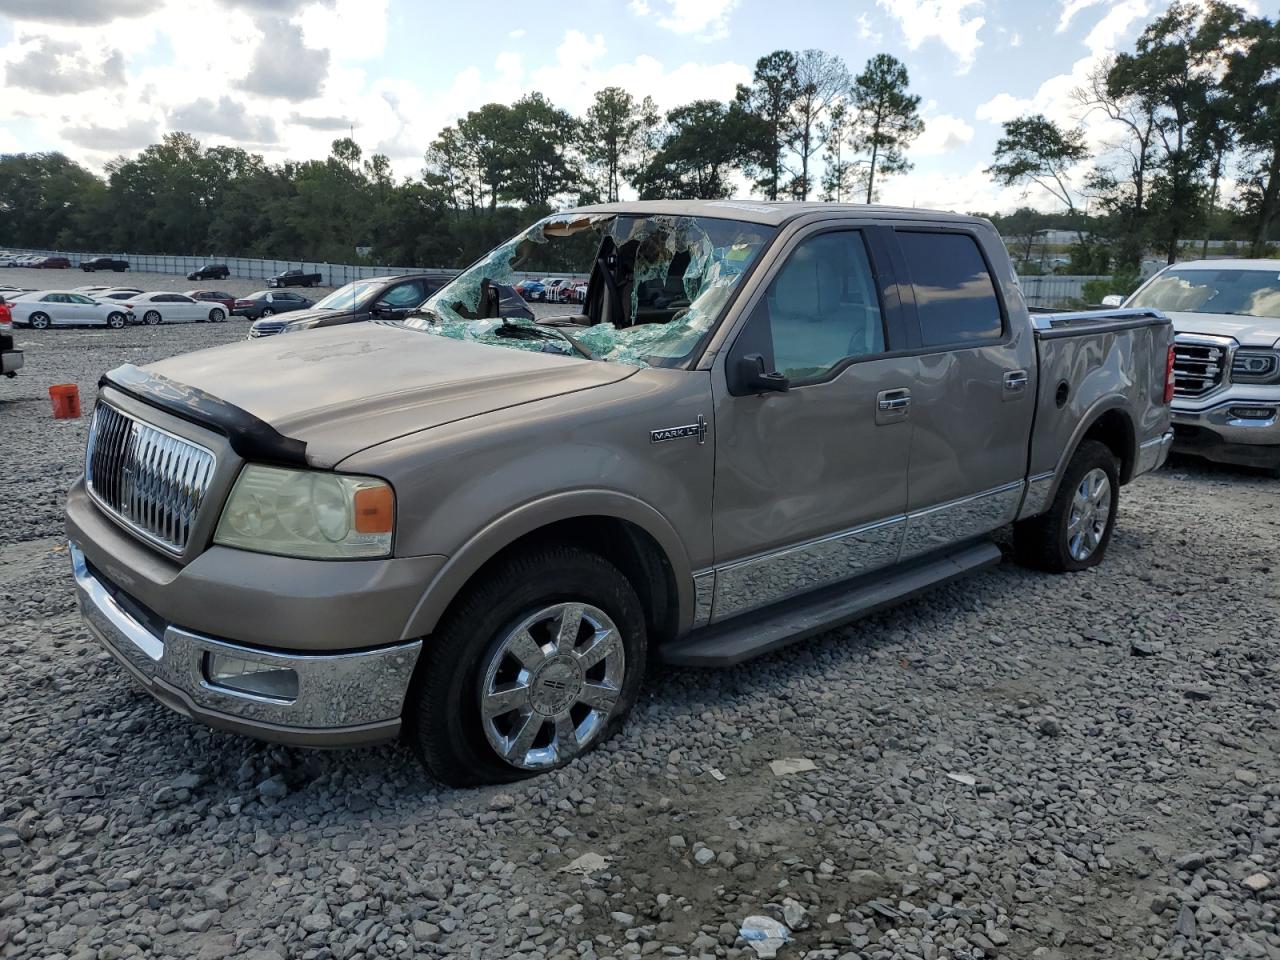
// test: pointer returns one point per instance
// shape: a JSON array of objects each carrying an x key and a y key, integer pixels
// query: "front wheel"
[
  {"x": 115, "y": 321},
  {"x": 1076, "y": 530},
  {"x": 151, "y": 318},
  {"x": 266, "y": 312},
  {"x": 538, "y": 663},
  {"x": 217, "y": 316}
]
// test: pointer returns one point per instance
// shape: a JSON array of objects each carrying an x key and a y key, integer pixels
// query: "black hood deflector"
[{"x": 250, "y": 437}]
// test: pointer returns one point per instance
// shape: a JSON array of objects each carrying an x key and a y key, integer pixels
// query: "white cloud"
[
  {"x": 58, "y": 67},
  {"x": 703, "y": 19},
  {"x": 579, "y": 71},
  {"x": 348, "y": 29},
  {"x": 866, "y": 31},
  {"x": 517, "y": 33},
  {"x": 1072, "y": 7},
  {"x": 967, "y": 191},
  {"x": 950, "y": 22},
  {"x": 1054, "y": 97},
  {"x": 943, "y": 133}
]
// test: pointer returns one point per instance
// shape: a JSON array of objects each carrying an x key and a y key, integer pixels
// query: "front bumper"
[
  {"x": 1231, "y": 431},
  {"x": 341, "y": 699}
]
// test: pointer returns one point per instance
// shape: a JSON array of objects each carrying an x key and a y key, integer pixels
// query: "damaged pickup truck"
[{"x": 475, "y": 531}]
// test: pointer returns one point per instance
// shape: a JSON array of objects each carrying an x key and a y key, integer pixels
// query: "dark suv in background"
[
  {"x": 210, "y": 271},
  {"x": 104, "y": 263},
  {"x": 382, "y": 298}
]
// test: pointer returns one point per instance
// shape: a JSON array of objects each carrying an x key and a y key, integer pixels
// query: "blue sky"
[{"x": 284, "y": 77}]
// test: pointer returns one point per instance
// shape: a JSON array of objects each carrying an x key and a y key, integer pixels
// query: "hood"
[
  {"x": 1247, "y": 331},
  {"x": 344, "y": 389}
]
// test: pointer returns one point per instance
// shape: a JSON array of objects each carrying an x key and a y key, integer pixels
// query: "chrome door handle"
[
  {"x": 892, "y": 406},
  {"x": 1015, "y": 379}
]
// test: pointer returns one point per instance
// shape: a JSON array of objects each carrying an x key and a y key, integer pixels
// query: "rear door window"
[{"x": 955, "y": 295}]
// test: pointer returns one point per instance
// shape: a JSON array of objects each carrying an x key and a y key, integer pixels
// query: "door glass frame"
[{"x": 876, "y": 241}]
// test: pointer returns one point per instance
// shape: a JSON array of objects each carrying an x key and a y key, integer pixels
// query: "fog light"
[
  {"x": 1253, "y": 413},
  {"x": 251, "y": 676}
]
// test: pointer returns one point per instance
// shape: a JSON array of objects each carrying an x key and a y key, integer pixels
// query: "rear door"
[
  {"x": 973, "y": 391},
  {"x": 58, "y": 309},
  {"x": 810, "y": 483}
]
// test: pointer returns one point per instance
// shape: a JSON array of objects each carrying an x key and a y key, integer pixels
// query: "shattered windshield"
[{"x": 656, "y": 285}]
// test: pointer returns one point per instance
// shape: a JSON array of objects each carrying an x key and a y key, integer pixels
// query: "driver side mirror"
[
  {"x": 382, "y": 309},
  {"x": 753, "y": 377}
]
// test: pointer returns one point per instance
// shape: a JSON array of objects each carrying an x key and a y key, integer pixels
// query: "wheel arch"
[
  {"x": 626, "y": 531},
  {"x": 1109, "y": 422}
]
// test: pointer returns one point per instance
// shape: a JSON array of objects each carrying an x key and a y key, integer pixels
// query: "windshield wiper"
[{"x": 544, "y": 333}]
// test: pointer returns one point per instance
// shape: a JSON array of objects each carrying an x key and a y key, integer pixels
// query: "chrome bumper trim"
[
  {"x": 1153, "y": 453},
  {"x": 335, "y": 691},
  {"x": 1232, "y": 429}
]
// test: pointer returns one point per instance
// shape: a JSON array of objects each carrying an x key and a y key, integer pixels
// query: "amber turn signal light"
[{"x": 375, "y": 509}]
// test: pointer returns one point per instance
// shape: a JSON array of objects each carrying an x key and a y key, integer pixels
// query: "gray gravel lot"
[{"x": 1017, "y": 765}]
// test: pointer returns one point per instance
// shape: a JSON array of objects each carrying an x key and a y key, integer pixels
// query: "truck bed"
[{"x": 1083, "y": 356}]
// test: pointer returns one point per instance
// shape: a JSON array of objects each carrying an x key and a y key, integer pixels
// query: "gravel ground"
[{"x": 1016, "y": 765}]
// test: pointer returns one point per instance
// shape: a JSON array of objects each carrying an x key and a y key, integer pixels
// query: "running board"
[{"x": 763, "y": 631}]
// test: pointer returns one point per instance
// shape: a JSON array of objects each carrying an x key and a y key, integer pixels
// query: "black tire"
[
  {"x": 39, "y": 321},
  {"x": 217, "y": 315},
  {"x": 152, "y": 318},
  {"x": 116, "y": 321},
  {"x": 444, "y": 720},
  {"x": 266, "y": 312},
  {"x": 1044, "y": 542}
]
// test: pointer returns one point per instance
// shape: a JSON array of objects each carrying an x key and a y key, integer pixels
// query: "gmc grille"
[{"x": 1198, "y": 368}]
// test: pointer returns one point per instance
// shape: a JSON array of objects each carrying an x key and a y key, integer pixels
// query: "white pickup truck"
[{"x": 1226, "y": 313}]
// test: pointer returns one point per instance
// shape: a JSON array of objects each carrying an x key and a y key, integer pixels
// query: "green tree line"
[
  {"x": 483, "y": 177},
  {"x": 1195, "y": 102}
]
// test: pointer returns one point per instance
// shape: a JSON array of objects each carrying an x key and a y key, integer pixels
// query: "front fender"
[{"x": 529, "y": 517}]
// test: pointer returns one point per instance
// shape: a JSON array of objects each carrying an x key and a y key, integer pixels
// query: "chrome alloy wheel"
[
  {"x": 1090, "y": 511},
  {"x": 550, "y": 685}
]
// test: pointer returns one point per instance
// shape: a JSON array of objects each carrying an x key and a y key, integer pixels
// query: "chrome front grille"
[
  {"x": 1198, "y": 367},
  {"x": 151, "y": 479}
]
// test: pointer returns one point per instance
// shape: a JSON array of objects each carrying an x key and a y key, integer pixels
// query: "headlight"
[
  {"x": 1255, "y": 366},
  {"x": 308, "y": 513}
]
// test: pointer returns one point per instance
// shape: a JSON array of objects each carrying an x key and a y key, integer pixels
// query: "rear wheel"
[
  {"x": 534, "y": 666},
  {"x": 116, "y": 320},
  {"x": 40, "y": 321},
  {"x": 1076, "y": 530},
  {"x": 151, "y": 318},
  {"x": 266, "y": 312}
]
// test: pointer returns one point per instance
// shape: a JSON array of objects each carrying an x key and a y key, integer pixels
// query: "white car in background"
[
  {"x": 163, "y": 306},
  {"x": 66, "y": 308}
]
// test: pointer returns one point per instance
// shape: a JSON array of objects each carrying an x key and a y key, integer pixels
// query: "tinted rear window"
[{"x": 955, "y": 296}]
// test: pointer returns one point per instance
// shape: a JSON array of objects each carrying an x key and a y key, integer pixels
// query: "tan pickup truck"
[{"x": 475, "y": 531}]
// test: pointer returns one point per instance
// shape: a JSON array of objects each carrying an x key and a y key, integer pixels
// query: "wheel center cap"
[{"x": 556, "y": 685}]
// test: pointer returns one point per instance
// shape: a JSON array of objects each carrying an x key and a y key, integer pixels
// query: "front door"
[
  {"x": 973, "y": 394},
  {"x": 810, "y": 483}
]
